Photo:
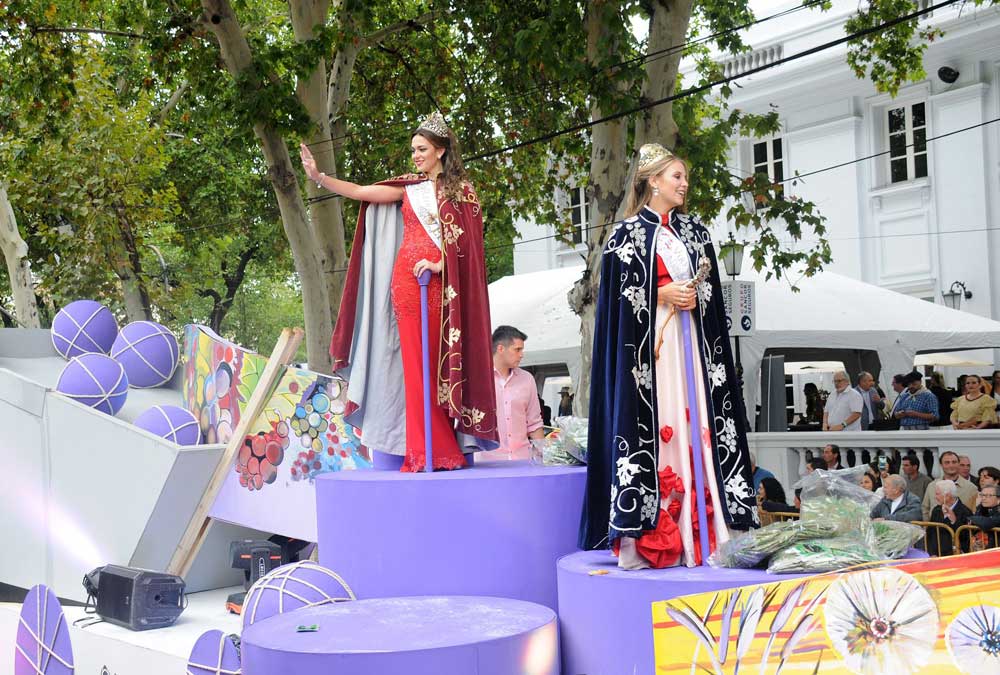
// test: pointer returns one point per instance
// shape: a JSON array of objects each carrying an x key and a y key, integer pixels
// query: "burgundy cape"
[{"x": 464, "y": 382}]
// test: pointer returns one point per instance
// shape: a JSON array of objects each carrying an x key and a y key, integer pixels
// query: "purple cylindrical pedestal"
[
  {"x": 495, "y": 529},
  {"x": 606, "y": 620},
  {"x": 416, "y": 636}
]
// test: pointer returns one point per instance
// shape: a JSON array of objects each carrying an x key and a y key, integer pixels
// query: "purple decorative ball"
[
  {"x": 214, "y": 654},
  {"x": 291, "y": 587},
  {"x": 95, "y": 380},
  {"x": 148, "y": 352},
  {"x": 171, "y": 422},
  {"x": 84, "y": 327}
]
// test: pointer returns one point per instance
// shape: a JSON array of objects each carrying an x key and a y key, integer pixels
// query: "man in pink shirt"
[{"x": 519, "y": 417}]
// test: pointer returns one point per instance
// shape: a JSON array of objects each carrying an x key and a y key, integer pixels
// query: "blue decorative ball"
[
  {"x": 84, "y": 327},
  {"x": 171, "y": 422},
  {"x": 95, "y": 380},
  {"x": 148, "y": 352}
]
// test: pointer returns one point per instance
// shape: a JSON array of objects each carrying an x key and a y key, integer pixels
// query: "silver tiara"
[
  {"x": 435, "y": 124},
  {"x": 652, "y": 152}
]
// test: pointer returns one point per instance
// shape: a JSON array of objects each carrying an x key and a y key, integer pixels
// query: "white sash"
[
  {"x": 674, "y": 254},
  {"x": 424, "y": 204}
]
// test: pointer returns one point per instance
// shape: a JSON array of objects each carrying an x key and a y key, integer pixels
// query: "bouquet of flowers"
[
  {"x": 752, "y": 547},
  {"x": 822, "y": 555}
]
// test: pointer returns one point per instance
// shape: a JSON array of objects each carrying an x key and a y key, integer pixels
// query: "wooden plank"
[{"x": 197, "y": 528}]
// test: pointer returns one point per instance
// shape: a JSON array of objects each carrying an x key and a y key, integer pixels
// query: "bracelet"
[{"x": 319, "y": 179}]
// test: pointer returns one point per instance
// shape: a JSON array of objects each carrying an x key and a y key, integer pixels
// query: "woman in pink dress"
[{"x": 432, "y": 221}]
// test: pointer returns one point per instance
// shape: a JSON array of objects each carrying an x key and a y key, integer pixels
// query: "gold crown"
[
  {"x": 652, "y": 152},
  {"x": 435, "y": 124}
]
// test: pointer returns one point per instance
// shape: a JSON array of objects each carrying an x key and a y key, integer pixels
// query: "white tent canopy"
[
  {"x": 830, "y": 311},
  {"x": 834, "y": 311},
  {"x": 536, "y": 304}
]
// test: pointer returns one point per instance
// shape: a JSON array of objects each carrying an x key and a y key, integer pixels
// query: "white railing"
[
  {"x": 741, "y": 63},
  {"x": 785, "y": 454}
]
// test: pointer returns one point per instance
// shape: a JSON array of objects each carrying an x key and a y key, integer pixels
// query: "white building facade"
[{"x": 910, "y": 186}]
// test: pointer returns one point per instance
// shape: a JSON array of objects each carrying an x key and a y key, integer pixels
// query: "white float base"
[{"x": 108, "y": 649}]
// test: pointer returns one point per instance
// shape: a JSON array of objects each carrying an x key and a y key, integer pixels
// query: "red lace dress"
[{"x": 417, "y": 245}]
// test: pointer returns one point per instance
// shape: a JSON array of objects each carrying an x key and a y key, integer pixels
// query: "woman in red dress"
[{"x": 425, "y": 221}]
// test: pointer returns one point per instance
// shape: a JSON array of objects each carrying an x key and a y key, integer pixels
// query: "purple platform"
[
  {"x": 606, "y": 621},
  {"x": 496, "y": 529},
  {"x": 415, "y": 635}
]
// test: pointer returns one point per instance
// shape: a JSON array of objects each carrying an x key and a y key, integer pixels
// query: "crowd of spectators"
[
  {"x": 916, "y": 405},
  {"x": 960, "y": 497}
]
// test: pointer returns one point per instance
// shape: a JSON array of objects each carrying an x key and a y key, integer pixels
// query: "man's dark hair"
[
  {"x": 899, "y": 378},
  {"x": 817, "y": 463},
  {"x": 948, "y": 452},
  {"x": 912, "y": 377},
  {"x": 835, "y": 449},
  {"x": 911, "y": 458},
  {"x": 505, "y": 335}
]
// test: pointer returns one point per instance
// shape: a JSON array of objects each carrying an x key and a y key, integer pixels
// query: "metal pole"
[
  {"x": 424, "y": 279},
  {"x": 694, "y": 405}
]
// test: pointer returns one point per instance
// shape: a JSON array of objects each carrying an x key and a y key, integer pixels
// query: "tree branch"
[
  {"x": 416, "y": 79},
  {"x": 416, "y": 23},
  {"x": 85, "y": 31},
  {"x": 172, "y": 102}
]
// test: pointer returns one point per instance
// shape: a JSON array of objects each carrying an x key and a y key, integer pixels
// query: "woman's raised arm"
[{"x": 380, "y": 194}]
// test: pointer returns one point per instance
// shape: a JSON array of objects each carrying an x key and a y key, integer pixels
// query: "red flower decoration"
[{"x": 666, "y": 433}]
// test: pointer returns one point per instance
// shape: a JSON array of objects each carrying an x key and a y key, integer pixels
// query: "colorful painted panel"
[
  {"x": 940, "y": 615},
  {"x": 301, "y": 427},
  {"x": 219, "y": 377}
]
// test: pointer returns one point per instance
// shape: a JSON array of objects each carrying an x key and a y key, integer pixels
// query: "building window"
[
  {"x": 769, "y": 160},
  {"x": 578, "y": 214},
  {"x": 907, "y": 128}
]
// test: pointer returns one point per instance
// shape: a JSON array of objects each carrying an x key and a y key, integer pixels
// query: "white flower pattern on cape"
[
  {"x": 717, "y": 373},
  {"x": 643, "y": 376},
  {"x": 626, "y": 470},
  {"x": 637, "y": 296}
]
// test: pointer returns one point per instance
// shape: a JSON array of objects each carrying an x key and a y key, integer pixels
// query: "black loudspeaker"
[{"x": 134, "y": 598}]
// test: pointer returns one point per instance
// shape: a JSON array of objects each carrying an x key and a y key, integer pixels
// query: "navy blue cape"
[{"x": 622, "y": 496}]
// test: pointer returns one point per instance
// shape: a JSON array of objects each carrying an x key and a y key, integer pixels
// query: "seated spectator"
[
  {"x": 965, "y": 470},
  {"x": 987, "y": 515},
  {"x": 916, "y": 482},
  {"x": 870, "y": 480},
  {"x": 772, "y": 496},
  {"x": 967, "y": 492},
  {"x": 759, "y": 473},
  {"x": 815, "y": 463},
  {"x": 989, "y": 475},
  {"x": 897, "y": 504},
  {"x": 831, "y": 455},
  {"x": 949, "y": 511},
  {"x": 973, "y": 409}
]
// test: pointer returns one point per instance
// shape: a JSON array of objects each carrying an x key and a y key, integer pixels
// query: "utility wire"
[
  {"x": 693, "y": 90},
  {"x": 645, "y": 58}
]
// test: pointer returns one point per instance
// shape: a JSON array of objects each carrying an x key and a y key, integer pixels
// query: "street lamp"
[
  {"x": 732, "y": 260},
  {"x": 953, "y": 298},
  {"x": 732, "y": 256}
]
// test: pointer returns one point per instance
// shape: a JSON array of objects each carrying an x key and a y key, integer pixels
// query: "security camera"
[{"x": 947, "y": 74}]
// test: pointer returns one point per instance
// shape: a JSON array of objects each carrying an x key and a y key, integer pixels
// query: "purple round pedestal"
[
  {"x": 416, "y": 636},
  {"x": 606, "y": 620},
  {"x": 494, "y": 529}
]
